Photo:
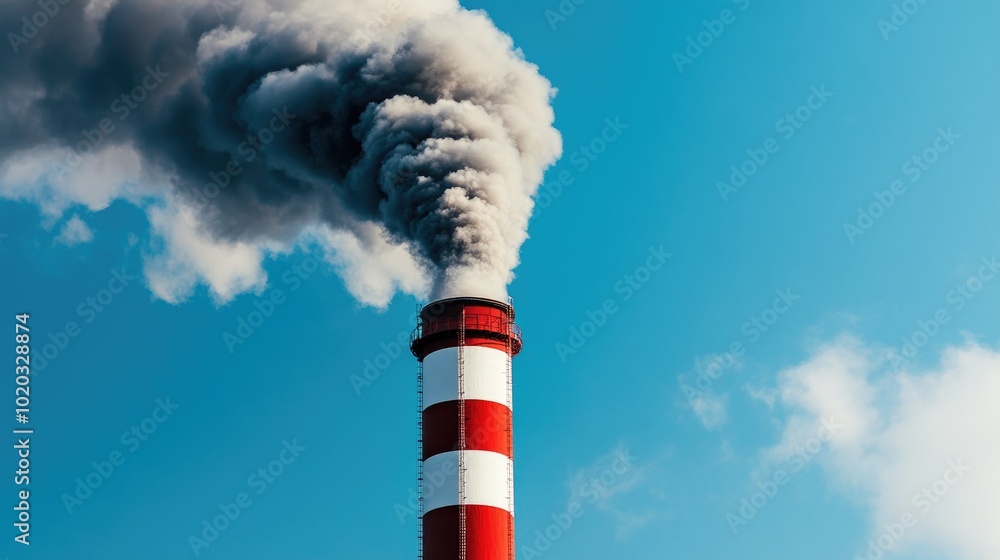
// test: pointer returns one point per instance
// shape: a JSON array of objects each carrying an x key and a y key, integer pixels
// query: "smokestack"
[{"x": 465, "y": 429}]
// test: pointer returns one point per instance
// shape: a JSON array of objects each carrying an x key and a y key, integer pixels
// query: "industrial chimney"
[{"x": 465, "y": 429}]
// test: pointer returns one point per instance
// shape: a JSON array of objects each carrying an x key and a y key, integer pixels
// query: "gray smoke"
[{"x": 416, "y": 122}]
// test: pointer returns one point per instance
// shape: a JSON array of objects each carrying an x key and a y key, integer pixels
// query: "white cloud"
[
  {"x": 764, "y": 395},
  {"x": 710, "y": 409},
  {"x": 75, "y": 232},
  {"x": 900, "y": 434}
]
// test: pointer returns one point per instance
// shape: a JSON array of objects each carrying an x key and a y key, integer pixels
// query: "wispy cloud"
[
  {"x": 919, "y": 447},
  {"x": 606, "y": 485},
  {"x": 700, "y": 387},
  {"x": 75, "y": 232},
  {"x": 710, "y": 409}
]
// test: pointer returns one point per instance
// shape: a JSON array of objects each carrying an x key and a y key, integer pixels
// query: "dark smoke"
[{"x": 417, "y": 116}]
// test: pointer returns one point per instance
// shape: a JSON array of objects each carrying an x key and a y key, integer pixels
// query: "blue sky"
[{"x": 647, "y": 142}]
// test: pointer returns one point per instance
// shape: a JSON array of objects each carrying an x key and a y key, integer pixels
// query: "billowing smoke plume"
[{"x": 408, "y": 137}]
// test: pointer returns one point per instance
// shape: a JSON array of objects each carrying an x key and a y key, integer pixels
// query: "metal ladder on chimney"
[
  {"x": 420, "y": 460},
  {"x": 510, "y": 437},
  {"x": 462, "y": 540}
]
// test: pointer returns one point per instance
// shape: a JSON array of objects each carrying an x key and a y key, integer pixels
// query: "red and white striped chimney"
[{"x": 466, "y": 471}]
